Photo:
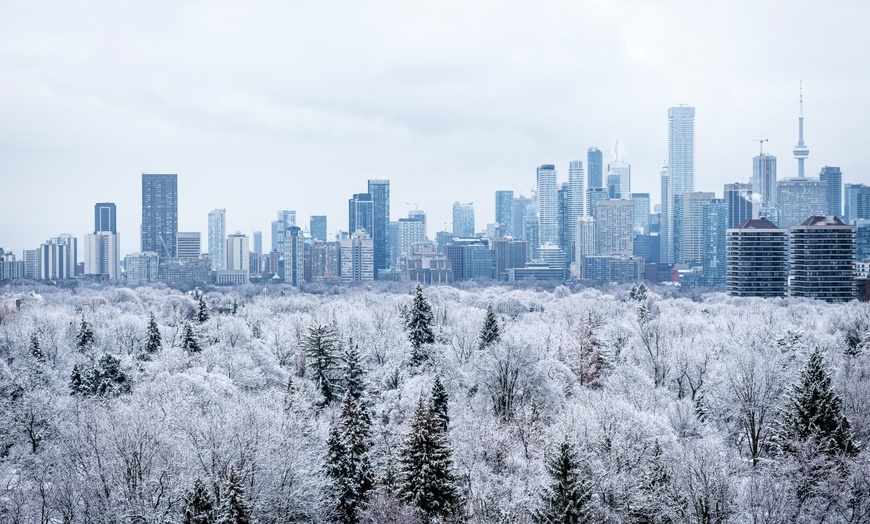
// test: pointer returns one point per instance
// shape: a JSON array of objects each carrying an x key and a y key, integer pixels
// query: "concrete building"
[
  {"x": 666, "y": 252},
  {"x": 614, "y": 269},
  {"x": 833, "y": 179},
  {"x": 614, "y": 231},
  {"x": 504, "y": 212},
  {"x": 641, "y": 212},
  {"x": 714, "y": 258},
  {"x": 757, "y": 260},
  {"x": 470, "y": 259},
  {"x": 188, "y": 245},
  {"x": 595, "y": 165},
  {"x": 584, "y": 244},
  {"x": 823, "y": 259},
  {"x": 800, "y": 198},
  {"x": 159, "y": 214},
  {"x": 508, "y": 253},
  {"x": 217, "y": 239},
  {"x": 293, "y": 258},
  {"x": 317, "y": 227},
  {"x": 548, "y": 204},
  {"x": 410, "y": 231},
  {"x": 357, "y": 257},
  {"x": 57, "y": 258},
  {"x": 238, "y": 260},
  {"x": 739, "y": 204},
  {"x": 856, "y": 202},
  {"x": 764, "y": 179},
  {"x": 688, "y": 224},
  {"x": 681, "y": 166},
  {"x": 142, "y": 268},
  {"x": 102, "y": 255}
]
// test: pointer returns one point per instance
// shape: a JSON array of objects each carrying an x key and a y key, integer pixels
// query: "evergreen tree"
[
  {"x": 348, "y": 464},
  {"x": 153, "y": 341},
  {"x": 76, "y": 381},
  {"x": 321, "y": 344},
  {"x": 354, "y": 379},
  {"x": 568, "y": 499},
  {"x": 198, "y": 505},
  {"x": 201, "y": 309},
  {"x": 439, "y": 401},
  {"x": 234, "y": 508},
  {"x": 418, "y": 323},
  {"x": 425, "y": 463},
  {"x": 188, "y": 339},
  {"x": 491, "y": 333},
  {"x": 35, "y": 349},
  {"x": 657, "y": 501},
  {"x": 105, "y": 379},
  {"x": 85, "y": 336},
  {"x": 813, "y": 414}
]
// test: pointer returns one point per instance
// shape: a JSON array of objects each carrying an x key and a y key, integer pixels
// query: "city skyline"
[{"x": 73, "y": 133}]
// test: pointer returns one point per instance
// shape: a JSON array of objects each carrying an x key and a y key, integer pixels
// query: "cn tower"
[{"x": 801, "y": 151}]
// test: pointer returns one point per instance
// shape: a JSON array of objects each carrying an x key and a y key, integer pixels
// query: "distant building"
[
  {"x": 470, "y": 258},
  {"x": 188, "y": 245},
  {"x": 739, "y": 205},
  {"x": 317, "y": 227},
  {"x": 584, "y": 244},
  {"x": 217, "y": 239},
  {"x": 463, "y": 220},
  {"x": 410, "y": 231},
  {"x": 714, "y": 259},
  {"x": 576, "y": 194},
  {"x": 833, "y": 179},
  {"x": 764, "y": 181},
  {"x": 159, "y": 214},
  {"x": 757, "y": 260},
  {"x": 508, "y": 253},
  {"x": 9, "y": 267},
  {"x": 58, "y": 258},
  {"x": 614, "y": 231},
  {"x": 615, "y": 269},
  {"x": 183, "y": 272},
  {"x": 537, "y": 272},
  {"x": 520, "y": 211},
  {"x": 621, "y": 171},
  {"x": 380, "y": 192},
  {"x": 799, "y": 199},
  {"x": 105, "y": 217},
  {"x": 102, "y": 255},
  {"x": 141, "y": 268},
  {"x": 427, "y": 266},
  {"x": 647, "y": 247},
  {"x": 554, "y": 257},
  {"x": 548, "y": 206},
  {"x": 504, "y": 212},
  {"x": 357, "y": 258},
  {"x": 294, "y": 256},
  {"x": 593, "y": 196},
  {"x": 641, "y": 212},
  {"x": 681, "y": 168},
  {"x": 862, "y": 239},
  {"x": 238, "y": 260},
  {"x": 823, "y": 259},
  {"x": 595, "y": 165},
  {"x": 325, "y": 261}
]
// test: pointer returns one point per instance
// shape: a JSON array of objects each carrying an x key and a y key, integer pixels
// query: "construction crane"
[{"x": 761, "y": 142}]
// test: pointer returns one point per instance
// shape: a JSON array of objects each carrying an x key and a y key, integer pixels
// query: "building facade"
[
  {"x": 217, "y": 239},
  {"x": 681, "y": 165},
  {"x": 548, "y": 204},
  {"x": 757, "y": 259},
  {"x": 614, "y": 228},
  {"x": 159, "y": 214},
  {"x": 823, "y": 259}
]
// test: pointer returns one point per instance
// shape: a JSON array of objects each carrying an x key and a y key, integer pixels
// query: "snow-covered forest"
[{"x": 436, "y": 405}]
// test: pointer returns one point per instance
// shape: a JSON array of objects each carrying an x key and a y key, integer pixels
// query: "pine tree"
[
  {"x": 198, "y": 505},
  {"x": 439, "y": 401},
  {"x": 419, "y": 326},
  {"x": 105, "y": 379},
  {"x": 201, "y": 309},
  {"x": 153, "y": 342},
  {"x": 491, "y": 333},
  {"x": 85, "y": 336},
  {"x": 348, "y": 464},
  {"x": 568, "y": 499},
  {"x": 813, "y": 414},
  {"x": 354, "y": 379},
  {"x": 425, "y": 463},
  {"x": 321, "y": 344},
  {"x": 35, "y": 349},
  {"x": 76, "y": 382},
  {"x": 188, "y": 339},
  {"x": 234, "y": 508},
  {"x": 657, "y": 501}
]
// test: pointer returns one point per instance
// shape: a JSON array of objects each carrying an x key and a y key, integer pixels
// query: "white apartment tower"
[
  {"x": 548, "y": 205},
  {"x": 681, "y": 162},
  {"x": 217, "y": 235},
  {"x": 764, "y": 179}
]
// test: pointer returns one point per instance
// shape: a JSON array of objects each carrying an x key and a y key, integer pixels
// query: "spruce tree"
[
  {"x": 234, "y": 508},
  {"x": 354, "y": 379},
  {"x": 348, "y": 464},
  {"x": 85, "y": 336},
  {"x": 77, "y": 384},
  {"x": 201, "y": 309},
  {"x": 153, "y": 341},
  {"x": 657, "y": 501},
  {"x": 439, "y": 402},
  {"x": 491, "y": 333},
  {"x": 105, "y": 379},
  {"x": 813, "y": 414},
  {"x": 418, "y": 323},
  {"x": 188, "y": 339},
  {"x": 568, "y": 499},
  {"x": 35, "y": 349},
  {"x": 198, "y": 505},
  {"x": 425, "y": 464},
  {"x": 321, "y": 344}
]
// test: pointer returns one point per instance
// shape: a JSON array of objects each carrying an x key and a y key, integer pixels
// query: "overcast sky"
[{"x": 261, "y": 106}]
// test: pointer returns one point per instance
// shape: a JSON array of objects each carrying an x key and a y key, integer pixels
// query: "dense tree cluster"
[{"x": 638, "y": 404}]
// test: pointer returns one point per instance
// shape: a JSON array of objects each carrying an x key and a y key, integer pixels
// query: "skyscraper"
[
  {"x": 102, "y": 255},
  {"x": 360, "y": 214},
  {"x": 237, "y": 266},
  {"x": 757, "y": 254},
  {"x": 548, "y": 207},
  {"x": 801, "y": 151},
  {"x": 614, "y": 223},
  {"x": 463, "y": 220},
  {"x": 713, "y": 251},
  {"x": 159, "y": 214},
  {"x": 857, "y": 202},
  {"x": 217, "y": 239},
  {"x": 764, "y": 179},
  {"x": 738, "y": 204},
  {"x": 566, "y": 228},
  {"x": 595, "y": 165},
  {"x": 800, "y": 198},
  {"x": 576, "y": 192},
  {"x": 620, "y": 172},
  {"x": 380, "y": 192},
  {"x": 105, "y": 217},
  {"x": 58, "y": 257},
  {"x": 641, "y": 211},
  {"x": 666, "y": 252},
  {"x": 504, "y": 211},
  {"x": 833, "y": 179},
  {"x": 317, "y": 227},
  {"x": 294, "y": 256},
  {"x": 681, "y": 163},
  {"x": 823, "y": 259},
  {"x": 689, "y": 214},
  {"x": 521, "y": 205}
]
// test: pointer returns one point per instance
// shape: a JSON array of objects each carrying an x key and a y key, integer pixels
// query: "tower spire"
[{"x": 801, "y": 151}]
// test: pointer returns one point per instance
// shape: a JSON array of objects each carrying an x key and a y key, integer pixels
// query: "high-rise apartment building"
[
  {"x": 595, "y": 165},
  {"x": 833, "y": 179},
  {"x": 714, "y": 260},
  {"x": 593, "y": 196},
  {"x": 105, "y": 217},
  {"x": 548, "y": 205},
  {"x": 360, "y": 213},
  {"x": 317, "y": 227},
  {"x": 141, "y": 268},
  {"x": 757, "y": 254},
  {"x": 738, "y": 203},
  {"x": 584, "y": 243},
  {"x": 357, "y": 258},
  {"x": 286, "y": 218},
  {"x": 58, "y": 257},
  {"x": 508, "y": 253},
  {"x": 463, "y": 220},
  {"x": 681, "y": 165},
  {"x": 188, "y": 245},
  {"x": 504, "y": 212},
  {"x": 856, "y": 202},
  {"x": 566, "y": 228},
  {"x": 102, "y": 255},
  {"x": 520, "y": 212},
  {"x": 823, "y": 259},
  {"x": 257, "y": 264},
  {"x": 614, "y": 227},
  {"x": 688, "y": 222},
  {"x": 411, "y": 230},
  {"x": 380, "y": 192},
  {"x": 666, "y": 252},
  {"x": 217, "y": 239},
  {"x": 620, "y": 172},
  {"x": 294, "y": 256},
  {"x": 159, "y": 214},
  {"x": 576, "y": 193},
  {"x": 641, "y": 211},
  {"x": 800, "y": 198},
  {"x": 764, "y": 179}
]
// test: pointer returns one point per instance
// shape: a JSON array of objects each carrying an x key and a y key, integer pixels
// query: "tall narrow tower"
[{"x": 801, "y": 151}]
